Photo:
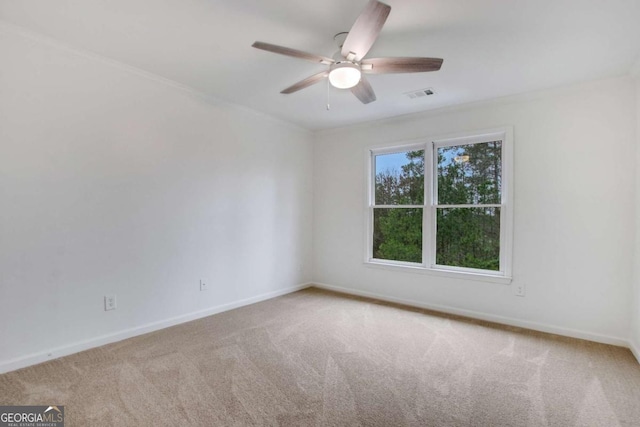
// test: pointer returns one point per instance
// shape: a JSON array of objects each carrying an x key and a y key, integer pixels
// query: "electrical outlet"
[
  {"x": 109, "y": 302},
  {"x": 203, "y": 285},
  {"x": 519, "y": 290}
]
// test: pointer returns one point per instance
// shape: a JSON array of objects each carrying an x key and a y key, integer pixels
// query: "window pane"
[
  {"x": 468, "y": 237},
  {"x": 397, "y": 234},
  {"x": 470, "y": 174},
  {"x": 400, "y": 178}
]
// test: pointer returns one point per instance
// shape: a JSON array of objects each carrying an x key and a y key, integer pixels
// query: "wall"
[
  {"x": 113, "y": 181},
  {"x": 635, "y": 305},
  {"x": 573, "y": 212}
]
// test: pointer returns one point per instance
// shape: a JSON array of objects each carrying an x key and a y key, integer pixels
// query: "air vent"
[{"x": 420, "y": 93}]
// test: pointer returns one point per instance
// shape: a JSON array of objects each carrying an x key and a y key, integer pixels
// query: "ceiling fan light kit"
[
  {"x": 347, "y": 67},
  {"x": 344, "y": 75}
]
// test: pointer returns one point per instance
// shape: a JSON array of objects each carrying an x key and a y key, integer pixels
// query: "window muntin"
[
  {"x": 468, "y": 187},
  {"x": 466, "y": 212},
  {"x": 398, "y": 208}
]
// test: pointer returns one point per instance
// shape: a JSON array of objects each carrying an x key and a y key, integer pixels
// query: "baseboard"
[
  {"x": 541, "y": 327},
  {"x": 35, "y": 358},
  {"x": 635, "y": 349}
]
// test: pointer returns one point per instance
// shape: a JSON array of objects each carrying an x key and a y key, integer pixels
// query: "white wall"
[
  {"x": 635, "y": 305},
  {"x": 111, "y": 182},
  {"x": 574, "y": 203}
]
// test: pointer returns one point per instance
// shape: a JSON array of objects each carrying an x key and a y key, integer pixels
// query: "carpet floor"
[{"x": 318, "y": 358}]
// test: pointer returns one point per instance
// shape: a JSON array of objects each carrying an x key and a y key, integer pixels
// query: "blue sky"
[
  {"x": 392, "y": 162},
  {"x": 395, "y": 161}
]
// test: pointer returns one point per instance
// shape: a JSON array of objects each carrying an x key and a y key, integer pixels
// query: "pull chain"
[{"x": 328, "y": 91}]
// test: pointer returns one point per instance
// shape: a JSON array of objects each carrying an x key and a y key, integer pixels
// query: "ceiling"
[{"x": 491, "y": 48}]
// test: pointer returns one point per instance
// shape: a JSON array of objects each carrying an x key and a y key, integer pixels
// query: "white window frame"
[{"x": 428, "y": 264}]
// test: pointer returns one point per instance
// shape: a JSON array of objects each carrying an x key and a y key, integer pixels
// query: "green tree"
[
  {"x": 398, "y": 234},
  {"x": 469, "y": 237},
  {"x": 398, "y": 231}
]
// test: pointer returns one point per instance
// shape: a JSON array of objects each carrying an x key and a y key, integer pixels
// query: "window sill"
[{"x": 477, "y": 277}]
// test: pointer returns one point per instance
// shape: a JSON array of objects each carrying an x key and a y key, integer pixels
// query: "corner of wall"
[
  {"x": 634, "y": 342},
  {"x": 635, "y": 69},
  {"x": 635, "y": 349}
]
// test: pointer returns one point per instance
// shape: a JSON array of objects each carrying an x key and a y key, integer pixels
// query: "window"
[{"x": 443, "y": 205}]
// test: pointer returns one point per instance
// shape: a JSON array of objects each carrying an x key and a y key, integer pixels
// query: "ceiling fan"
[{"x": 346, "y": 68}]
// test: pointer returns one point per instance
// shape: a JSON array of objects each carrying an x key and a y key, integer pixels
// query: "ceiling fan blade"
[
  {"x": 400, "y": 65},
  {"x": 363, "y": 91},
  {"x": 365, "y": 30},
  {"x": 311, "y": 80},
  {"x": 292, "y": 52}
]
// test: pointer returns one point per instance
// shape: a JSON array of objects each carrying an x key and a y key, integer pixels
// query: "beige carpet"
[{"x": 319, "y": 358}]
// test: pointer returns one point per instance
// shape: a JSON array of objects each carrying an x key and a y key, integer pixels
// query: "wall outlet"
[
  {"x": 109, "y": 302},
  {"x": 519, "y": 290},
  {"x": 203, "y": 285}
]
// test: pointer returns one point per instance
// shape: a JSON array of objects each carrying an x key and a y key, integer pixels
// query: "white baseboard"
[
  {"x": 35, "y": 358},
  {"x": 573, "y": 333}
]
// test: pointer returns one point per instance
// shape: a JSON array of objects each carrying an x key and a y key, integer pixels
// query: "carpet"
[{"x": 317, "y": 358}]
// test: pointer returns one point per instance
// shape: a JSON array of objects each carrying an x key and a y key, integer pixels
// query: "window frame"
[{"x": 428, "y": 264}]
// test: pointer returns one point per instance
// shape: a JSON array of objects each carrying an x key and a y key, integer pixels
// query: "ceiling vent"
[{"x": 420, "y": 93}]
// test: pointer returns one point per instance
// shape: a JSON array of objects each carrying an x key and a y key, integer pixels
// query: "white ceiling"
[{"x": 491, "y": 48}]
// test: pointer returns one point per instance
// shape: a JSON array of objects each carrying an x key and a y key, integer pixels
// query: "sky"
[
  {"x": 391, "y": 162},
  {"x": 395, "y": 161}
]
